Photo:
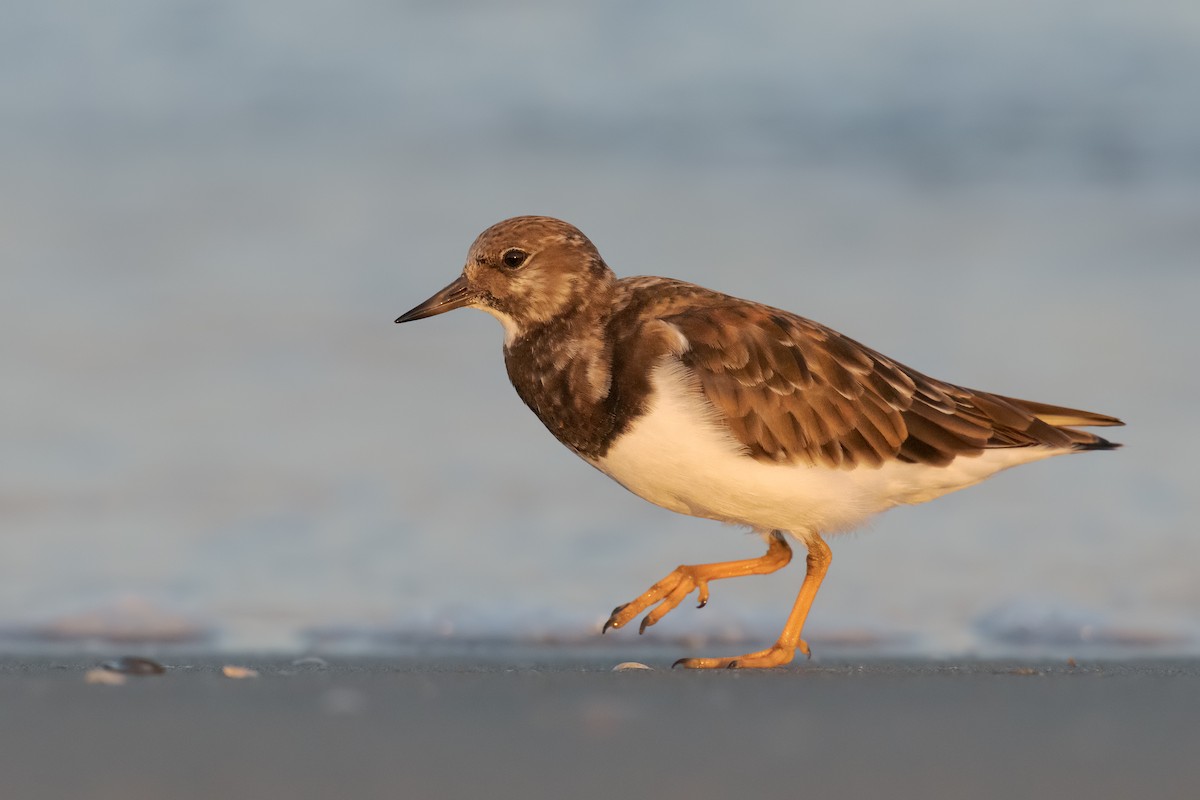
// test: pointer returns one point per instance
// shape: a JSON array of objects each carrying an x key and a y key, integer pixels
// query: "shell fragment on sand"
[
  {"x": 103, "y": 677},
  {"x": 238, "y": 673}
]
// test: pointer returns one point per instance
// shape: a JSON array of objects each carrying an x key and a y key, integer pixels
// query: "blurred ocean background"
[{"x": 211, "y": 212}]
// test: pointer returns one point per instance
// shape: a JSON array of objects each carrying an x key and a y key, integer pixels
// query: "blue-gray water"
[{"x": 211, "y": 212}]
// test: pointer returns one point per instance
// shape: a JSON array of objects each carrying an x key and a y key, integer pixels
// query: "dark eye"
[{"x": 514, "y": 258}]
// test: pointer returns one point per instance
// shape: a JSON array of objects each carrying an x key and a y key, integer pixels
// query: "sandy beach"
[{"x": 549, "y": 724}]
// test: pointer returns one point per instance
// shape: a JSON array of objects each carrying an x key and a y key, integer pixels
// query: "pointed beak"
[{"x": 456, "y": 295}]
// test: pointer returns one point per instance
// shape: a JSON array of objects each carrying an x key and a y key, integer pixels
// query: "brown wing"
[{"x": 795, "y": 391}]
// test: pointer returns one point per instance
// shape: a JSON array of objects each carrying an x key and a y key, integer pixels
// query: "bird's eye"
[{"x": 514, "y": 258}]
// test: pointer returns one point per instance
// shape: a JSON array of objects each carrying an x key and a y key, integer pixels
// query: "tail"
[{"x": 1066, "y": 420}]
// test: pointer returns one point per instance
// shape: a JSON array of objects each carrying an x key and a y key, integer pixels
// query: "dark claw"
[
  {"x": 612, "y": 619},
  {"x": 732, "y": 665},
  {"x": 645, "y": 624},
  {"x": 703, "y": 603},
  {"x": 677, "y": 663}
]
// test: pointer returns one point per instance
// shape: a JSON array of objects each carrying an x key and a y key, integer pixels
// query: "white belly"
[{"x": 678, "y": 456}]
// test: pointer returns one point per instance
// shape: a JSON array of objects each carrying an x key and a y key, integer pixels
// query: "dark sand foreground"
[{"x": 572, "y": 728}]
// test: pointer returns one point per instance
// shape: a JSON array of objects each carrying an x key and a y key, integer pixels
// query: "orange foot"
[
  {"x": 784, "y": 650},
  {"x": 683, "y": 580},
  {"x": 777, "y": 655}
]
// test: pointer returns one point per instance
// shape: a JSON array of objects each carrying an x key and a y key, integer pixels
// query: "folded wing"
[{"x": 795, "y": 391}]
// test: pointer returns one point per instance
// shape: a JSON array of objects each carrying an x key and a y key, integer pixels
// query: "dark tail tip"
[{"x": 1099, "y": 444}]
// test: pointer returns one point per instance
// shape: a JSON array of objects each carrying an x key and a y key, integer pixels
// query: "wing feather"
[{"x": 792, "y": 390}]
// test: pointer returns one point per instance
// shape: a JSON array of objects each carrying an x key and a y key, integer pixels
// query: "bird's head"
[{"x": 524, "y": 271}]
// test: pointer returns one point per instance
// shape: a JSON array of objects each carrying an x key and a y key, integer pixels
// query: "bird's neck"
[{"x": 562, "y": 369}]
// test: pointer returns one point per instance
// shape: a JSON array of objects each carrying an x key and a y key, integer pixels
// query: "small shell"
[
  {"x": 238, "y": 673},
  {"x": 132, "y": 665},
  {"x": 104, "y": 677},
  {"x": 626, "y": 666},
  {"x": 310, "y": 661}
]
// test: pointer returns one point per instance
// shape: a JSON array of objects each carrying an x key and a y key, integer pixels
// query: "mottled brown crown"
[{"x": 531, "y": 232}]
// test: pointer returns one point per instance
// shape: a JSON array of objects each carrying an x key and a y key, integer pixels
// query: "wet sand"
[{"x": 566, "y": 726}]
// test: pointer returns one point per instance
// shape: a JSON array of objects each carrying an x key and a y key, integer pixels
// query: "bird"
[{"x": 728, "y": 409}]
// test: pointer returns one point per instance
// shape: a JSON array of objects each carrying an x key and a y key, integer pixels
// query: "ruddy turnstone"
[{"x": 727, "y": 409}]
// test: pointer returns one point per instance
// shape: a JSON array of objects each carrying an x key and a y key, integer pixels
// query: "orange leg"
[
  {"x": 784, "y": 650},
  {"x": 683, "y": 580}
]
